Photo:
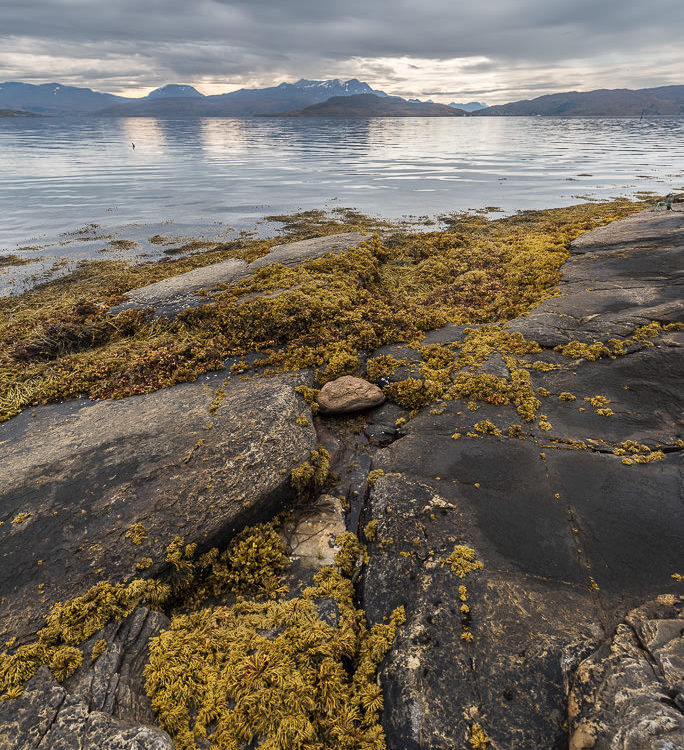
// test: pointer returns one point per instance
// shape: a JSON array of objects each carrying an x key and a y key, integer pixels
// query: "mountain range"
[{"x": 178, "y": 100}]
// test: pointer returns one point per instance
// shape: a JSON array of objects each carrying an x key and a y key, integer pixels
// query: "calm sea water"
[{"x": 208, "y": 175}]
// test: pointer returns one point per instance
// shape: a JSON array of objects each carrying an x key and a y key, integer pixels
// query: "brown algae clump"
[
  {"x": 273, "y": 672},
  {"x": 485, "y": 427},
  {"x": 312, "y": 474},
  {"x": 59, "y": 341},
  {"x": 462, "y": 561},
  {"x": 137, "y": 533}
]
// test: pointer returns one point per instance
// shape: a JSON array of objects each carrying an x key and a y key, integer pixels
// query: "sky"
[{"x": 447, "y": 50}]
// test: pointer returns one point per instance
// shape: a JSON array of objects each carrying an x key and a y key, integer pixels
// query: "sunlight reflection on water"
[{"x": 59, "y": 173}]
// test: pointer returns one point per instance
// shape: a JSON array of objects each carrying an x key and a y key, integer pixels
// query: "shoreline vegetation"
[
  {"x": 251, "y": 655},
  {"x": 58, "y": 341}
]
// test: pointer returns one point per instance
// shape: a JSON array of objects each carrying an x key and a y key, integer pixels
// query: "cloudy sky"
[{"x": 448, "y": 50}]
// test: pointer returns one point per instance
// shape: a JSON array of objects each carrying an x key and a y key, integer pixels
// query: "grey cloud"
[{"x": 242, "y": 39}]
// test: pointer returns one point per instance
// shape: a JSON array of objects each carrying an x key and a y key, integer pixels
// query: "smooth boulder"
[{"x": 349, "y": 394}]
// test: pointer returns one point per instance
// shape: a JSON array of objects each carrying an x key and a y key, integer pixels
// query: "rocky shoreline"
[{"x": 538, "y": 563}]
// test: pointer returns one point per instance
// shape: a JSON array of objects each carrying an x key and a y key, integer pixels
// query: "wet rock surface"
[
  {"x": 517, "y": 556},
  {"x": 173, "y": 295},
  {"x": 114, "y": 681},
  {"x": 348, "y": 394},
  {"x": 630, "y": 692},
  {"x": 102, "y": 705},
  {"x": 45, "y": 716},
  {"x": 199, "y": 461},
  {"x": 571, "y": 535}
]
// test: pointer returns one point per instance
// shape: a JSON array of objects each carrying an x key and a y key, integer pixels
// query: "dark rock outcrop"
[
  {"x": 114, "y": 682},
  {"x": 571, "y": 535},
  {"x": 98, "y": 489},
  {"x": 102, "y": 705},
  {"x": 629, "y": 694},
  {"x": 45, "y": 716}
]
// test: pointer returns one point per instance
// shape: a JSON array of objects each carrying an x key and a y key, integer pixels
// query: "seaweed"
[{"x": 59, "y": 340}]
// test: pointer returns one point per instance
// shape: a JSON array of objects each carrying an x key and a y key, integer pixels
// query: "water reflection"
[{"x": 60, "y": 173}]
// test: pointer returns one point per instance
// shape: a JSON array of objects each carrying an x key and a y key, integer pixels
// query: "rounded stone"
[{"x": 348, "y": 394}]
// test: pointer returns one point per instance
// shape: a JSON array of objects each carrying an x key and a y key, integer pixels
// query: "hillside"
[
  {"x": 371, "y": 105},
  {"x": 664, "y": 100}
]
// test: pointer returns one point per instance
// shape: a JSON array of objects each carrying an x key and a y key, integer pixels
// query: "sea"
[{"x": 77, "y": 189}]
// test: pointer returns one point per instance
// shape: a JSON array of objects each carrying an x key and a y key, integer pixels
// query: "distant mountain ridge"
[
  {"x": 663, "y": 100},
  {"x": 177, "y": 100},
  {"x": 182, "y": 100},
  {"x": 372, "y": 105},
  {"x": 17, "y": 113},
  {"x": 244, "y": 102}
]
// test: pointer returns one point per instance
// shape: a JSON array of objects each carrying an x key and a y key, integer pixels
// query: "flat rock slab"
[
  {"x": 173, "y": 295},
  {"x": 621, "y": 276},
  {"x": 570, "y": 539},
  {"x": 84, "y": 472}
]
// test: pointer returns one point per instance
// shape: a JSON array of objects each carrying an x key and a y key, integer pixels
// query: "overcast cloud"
[{"x": 496, "y": 50}]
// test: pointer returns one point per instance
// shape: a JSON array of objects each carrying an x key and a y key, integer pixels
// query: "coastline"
[{"x": 561, "y": 482}]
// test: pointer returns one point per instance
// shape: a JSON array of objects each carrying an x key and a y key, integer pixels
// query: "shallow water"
[{"x": 208, "y": 175}]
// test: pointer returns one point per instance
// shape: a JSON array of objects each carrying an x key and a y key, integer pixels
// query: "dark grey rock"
[
  {"x": 629, "y": 694},
  {"x": 570, "y": 539},
  {"x": 328, "y": 611},
  {"x": 114, "y": 682},
  {"x": 46, "y": 717},
  {"x": 86, "y": 471},
  {"x": 495, "y": 365}
]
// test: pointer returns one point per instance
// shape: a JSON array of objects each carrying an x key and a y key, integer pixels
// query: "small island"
[{"x": 372, "y": 105}]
